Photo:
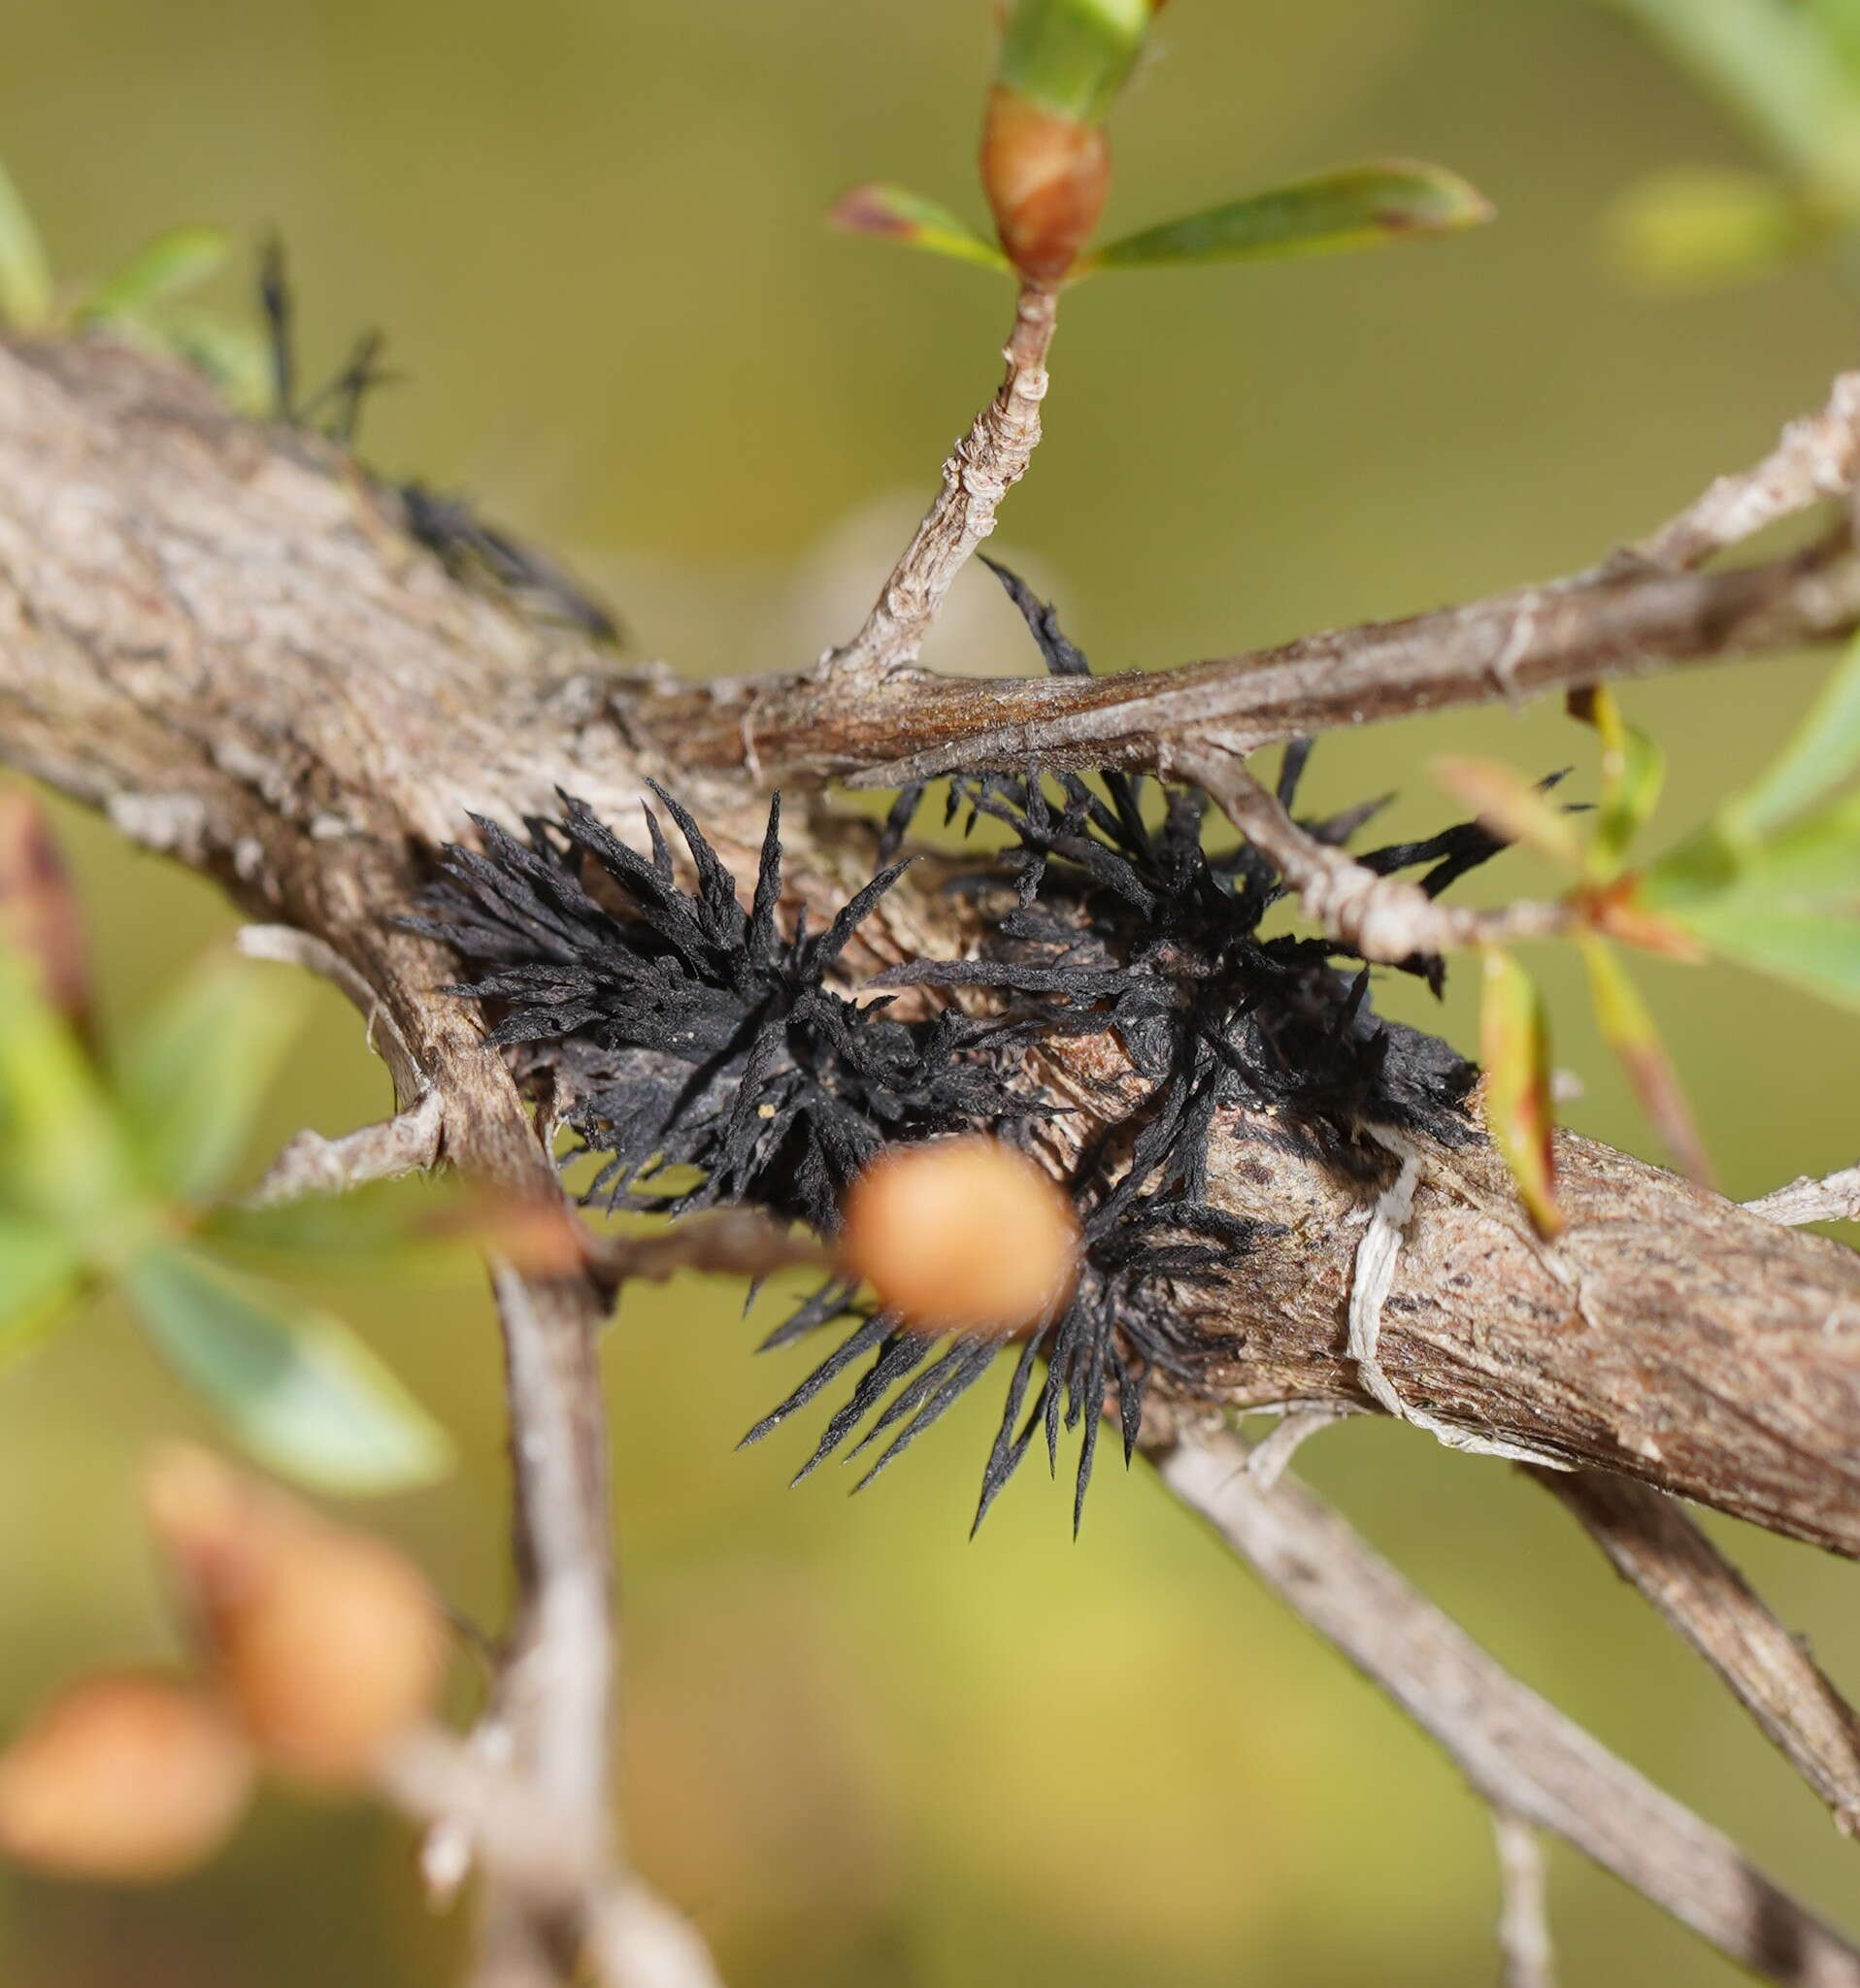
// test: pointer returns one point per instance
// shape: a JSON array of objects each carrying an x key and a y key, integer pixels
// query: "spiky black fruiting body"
[{"x": 682, "y": 1030}]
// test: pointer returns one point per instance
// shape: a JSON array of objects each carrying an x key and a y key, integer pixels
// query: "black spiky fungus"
[{"x": 681, "y": 1029}]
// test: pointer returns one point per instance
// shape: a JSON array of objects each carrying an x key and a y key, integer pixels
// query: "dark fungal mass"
[
  {"x": 678, "y": 1029},
  {"x": 682, "y": 1031}
]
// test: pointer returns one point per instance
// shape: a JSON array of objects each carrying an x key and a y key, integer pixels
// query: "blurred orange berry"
[
  {"x": 126, "y": 1777},
  {"x": 326, "y": 1640},
  {"x": 962, "y": 1235}
]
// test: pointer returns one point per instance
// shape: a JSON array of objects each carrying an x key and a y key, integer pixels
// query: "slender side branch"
[
  {"x": 1657, "y": 1551},
  {"x": 632, "y": 1937},
  {"x": 732, "y": 1242},
  {"x": 310, "y": 1163},
  {"x": 1814, "y": 461},
  {"x": 1518, "y": 1752},
  {"x": 1384, "y": 919},
  {"x": 982, "y": 469},
  {"x": 1834, "y": 1198},
  {"x": 1524, "y": 1904}
]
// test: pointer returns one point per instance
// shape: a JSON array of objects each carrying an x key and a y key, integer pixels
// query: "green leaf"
[
  {"x": 25, "y": 271},
  {"x": 1788, "y": 907},
  {"x": 1359, "y": 207},
  {"x": 1839, "y": 22},
  {"x": 1629, "y": 1029},
  {"x": 415, "y": 1226},
  {"x": 1633, "y": 773},
  {"x": 1776, "y": 69},
  {"x": 1073, "y": 56},
  {"x": 233, "y": 357},
  {"x": 895, "y": 214},
  {"x": 168, "y": 267},
  {"x": 39, "y": 1273},
  {"x": 64, "y": 1152},
  {"x": 298, "y": 1389},
  {"x": 1700, "y": 228},
  {"x": 1514, "y": 1046},
  {"x": 1824, "y": 751},
  {"x": 196, "y": 1076}
]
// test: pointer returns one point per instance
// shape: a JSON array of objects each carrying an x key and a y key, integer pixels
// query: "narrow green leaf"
[
  {"x": 1788, "y": 907},
  {"x": 1073, "y": 56},
  {"x": 64, "y": 1151},
  {"x": 1514, "y": 1046},
  {"x": 26, "y": 270},
  {"x": 196, "y": 1074},
  {"x": 39, "y": 1273},
  {"x": 416, "y": 1226},
  {"x": 1392, "y": 200},
  {"x": 895, "y": 214},
  {"x": 1775, "y": 69},
  {"x": 233, "y": 357},
  {"x": 1633, "y": 773},
  {"x": 1824, "y": 751},
  {"x": 1513, "y": 806},
  {"x": 1629, "y": 1029},
  {"x": 168, "y": 267},
  {"x": 298, "y": 1389},
  {"x": 1700, "y": 228}
]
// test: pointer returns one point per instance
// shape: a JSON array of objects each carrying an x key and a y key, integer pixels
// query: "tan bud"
[
  {"x": 126, "y": 1777},
  {"x": 962, "y": 1235},
  {"x": 326, "y": 1640},
  {"x": 1047, "y": 176}
]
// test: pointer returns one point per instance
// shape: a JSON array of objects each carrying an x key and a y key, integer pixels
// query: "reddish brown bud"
[
  {"x": 325, "y": 1641},
  {"x": 1045, "y": 175},
  {"x": 962, "y": 1235},
  {"x": 127, "y": 1777},
  {"x": 39, "y": 914}
]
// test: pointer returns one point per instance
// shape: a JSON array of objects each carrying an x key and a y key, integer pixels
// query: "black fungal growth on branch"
[
  {"x": 682, "y": 1031},
  {"x": 678, "y": 1029}
]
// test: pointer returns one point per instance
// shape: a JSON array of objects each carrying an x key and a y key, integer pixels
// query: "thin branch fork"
[{"x": 1523, "y": 1757}]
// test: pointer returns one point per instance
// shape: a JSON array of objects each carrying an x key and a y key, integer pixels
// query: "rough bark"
[{"x": 218, "y": 636}]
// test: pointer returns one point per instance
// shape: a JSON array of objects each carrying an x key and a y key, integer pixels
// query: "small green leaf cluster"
[
  {"x": 1771, "y": 881},
  {"x": 141, "y": 301},
  {"x": 114, "y": 1170}
]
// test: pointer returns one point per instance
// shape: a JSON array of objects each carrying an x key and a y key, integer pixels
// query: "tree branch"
[
  {"x": 982, "y": 468},
  {"x": 1836, "y": 1198},
  {"x": 222, "y": 645},
  {"x": 1657, "y": 1551},
  {"x": 1521, "y": 1754}
]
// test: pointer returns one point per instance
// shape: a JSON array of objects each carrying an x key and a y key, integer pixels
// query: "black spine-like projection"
[
  {"x": 682, "y": 1031},
  {"x": 678, "y": 1029}
]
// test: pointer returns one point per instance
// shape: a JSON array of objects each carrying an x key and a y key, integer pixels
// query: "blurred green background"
[{"x": 858, "y": 1748}]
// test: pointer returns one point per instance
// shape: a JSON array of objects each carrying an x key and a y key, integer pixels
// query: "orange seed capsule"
[
  {"x": 325, "y": 1641},
  {"x": 962, "y": 1235},
  {"x": 127, "y": 1777}
]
